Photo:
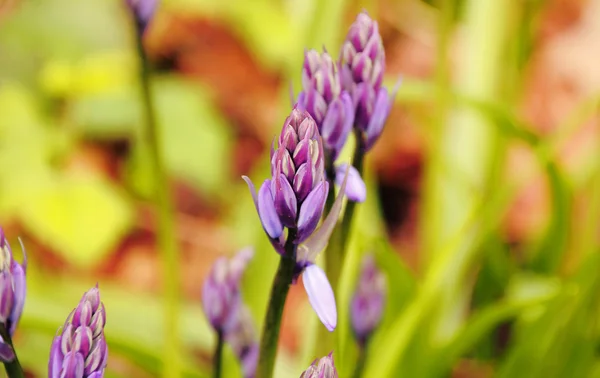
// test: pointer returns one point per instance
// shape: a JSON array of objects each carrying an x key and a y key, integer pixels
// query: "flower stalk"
[
  {"x": 272, "y": 323},
  {"x": 166, "y": 224},
  {"x": 13, "y": 368},
  {"x": 218, "y": 356}
]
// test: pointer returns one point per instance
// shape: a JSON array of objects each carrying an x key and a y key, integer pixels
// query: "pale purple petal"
[
  {"x": 320, "y": 295},
  {"x": 284, "y": 200},
  {"x": 381, "y": 111},
  {"x": 267, "y": 213},
  {"x": 356, "y": 189}
]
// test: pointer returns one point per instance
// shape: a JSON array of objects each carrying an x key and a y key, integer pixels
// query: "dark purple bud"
[
  {"x": 320, "y": 295},
  {"x": 285, "y": 200},
  {"x": 221, "y": 298},
  {"x": 366, "y": 308},
  {"x": 142, "y": 11},
  {"x": 12, "y": 285},
  {"x": 311, "y": 211},
  {"x": 303, "y": 181},
  {"x": 80, "y": 349},
  {"x": 323, "y": 368},
  {"x": 356, "y": 189}
]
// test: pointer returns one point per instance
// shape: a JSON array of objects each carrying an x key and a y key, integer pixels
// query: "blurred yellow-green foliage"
[{"x": 484, "y": 191}]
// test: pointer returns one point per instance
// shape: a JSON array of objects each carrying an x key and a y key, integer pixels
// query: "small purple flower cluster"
[
  {"x": 80, "y": 350},
  {"x": 226, "y": 312}
]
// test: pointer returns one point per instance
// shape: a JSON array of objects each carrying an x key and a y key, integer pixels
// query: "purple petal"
[
  {"x": 73, "y": 364},
  {"x": 285, "y": 201},
  {"x": 311, "y": 211},
  {"x": 320, "y": 295},
  {"x": 267, "y": 212},
  {"x": 55, "y": 360},
  {"x": 303, "y": 182},
  {"x": 20, "y": 287},
  {"x": 381, "y": 111},
  {"x": 309, "y": 250},
  {"x": 356, "y": 189}
]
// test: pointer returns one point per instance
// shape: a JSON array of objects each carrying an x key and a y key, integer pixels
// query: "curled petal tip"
[{"x": 320, "y": 295}]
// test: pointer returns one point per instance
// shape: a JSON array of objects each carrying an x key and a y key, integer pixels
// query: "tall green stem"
[
  {"x": 13, "y": 368},
  {"x": 272, "y": 323},
  {"x": 218, "y": 356},
  {"x": 166, "y": 224}
]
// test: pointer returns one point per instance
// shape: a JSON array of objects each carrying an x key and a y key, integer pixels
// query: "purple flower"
[
  {"x": 80, "y": 350},
  {"x": 323, "y": 97},
  {"x": 366, "y": 308},
  {"x": 221, "y": 299},
  {"x": 241, "y": 337},
  {"x": 294, "y": 197},
  {"x": 142, "y": 11},
  {"x": 12, "y": 286},
  {"x": 323, "y": 368},
  {"x": 362, "y": 65}
]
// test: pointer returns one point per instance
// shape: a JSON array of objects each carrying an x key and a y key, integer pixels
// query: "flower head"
[
  {"x": 142, "y": 11},
  {"x": 323, "y": 368},
  {"x": 366, "y": 308},
  {"x": 326, "y": 101},
  {"x": 362, "y": 64},
  {"x": 221, "y": 291},
  {"x": 295, "y": 195},
  {"x": 80, "y": 350}
]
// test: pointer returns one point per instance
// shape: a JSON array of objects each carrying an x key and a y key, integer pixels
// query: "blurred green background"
[{"x": 484, "y": 190}]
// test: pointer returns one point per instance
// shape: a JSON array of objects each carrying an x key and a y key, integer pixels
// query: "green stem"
[
  {"x": 166, "y": 224},
  {"x": 279, "y": 291},
  {"x": 13, "y": 368},
  {"x": 360, "y": 364},
  {"x": 218, "y": 357}
]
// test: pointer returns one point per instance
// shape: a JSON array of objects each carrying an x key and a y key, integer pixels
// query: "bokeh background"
[{"x": 484, "y": 189}]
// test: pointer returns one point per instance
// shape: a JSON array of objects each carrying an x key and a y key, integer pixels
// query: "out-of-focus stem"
[
  {"x": 166, "y": 224},
  {"x": 360, "y": 363},
  {"x": 272, "y": 324},
  {"x": 13, "y": 368},
  {"x": 218, "y": 356}
]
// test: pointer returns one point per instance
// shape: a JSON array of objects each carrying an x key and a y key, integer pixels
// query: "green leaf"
[{"x": 81, "y": 218}]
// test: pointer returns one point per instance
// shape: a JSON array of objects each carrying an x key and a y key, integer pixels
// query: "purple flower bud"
[
  {"x": 12, "y": 285},
  {"x": 241, "y": 337},
  {"x": 295, "y": 196},
  {"x": 221, "y": 299},
  {"x": 142, "y": 11},
  {"x": 366, "y": 308},
  {"x": 320, "y": 295},
  {"x": 323, "y": 97},
  {"x": 362, "y": 65},
  {"x": 80, "y": 350},
  {"x": 323, "y": 368},
  {"x": 7, "y": 353}
]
